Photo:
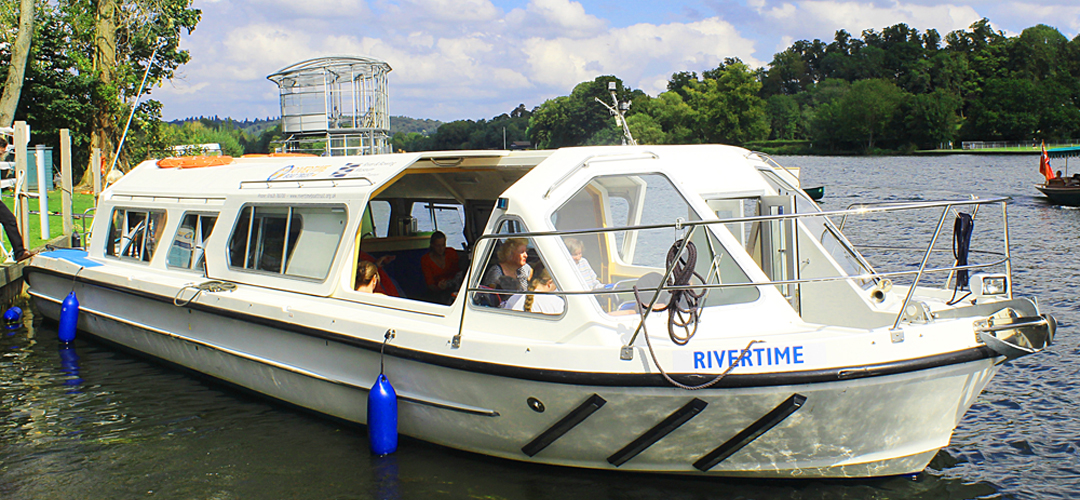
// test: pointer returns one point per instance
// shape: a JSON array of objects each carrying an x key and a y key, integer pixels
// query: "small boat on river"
[
  {"x": 1060, "y": 189},
  {"x": 661, "y": 309},
  {"x": 815, "y": 193}
]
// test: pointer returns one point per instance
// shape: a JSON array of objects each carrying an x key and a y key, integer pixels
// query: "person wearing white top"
[{"x": 543, "y": 304}]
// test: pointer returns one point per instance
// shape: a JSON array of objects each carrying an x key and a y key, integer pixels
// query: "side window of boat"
[
  {"x": 187, "y": 246},
  {"x": 514, "y": 268},
  {"x": 294, "y": 241},
  {"x": 134, "y": 233}
]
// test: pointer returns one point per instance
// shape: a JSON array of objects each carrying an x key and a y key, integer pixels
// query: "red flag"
[{"x": 1044, "y": 165}]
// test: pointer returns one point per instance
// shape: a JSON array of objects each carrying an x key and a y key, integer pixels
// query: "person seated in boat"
[
  {"x": 367, "y": 277},
  {"x": 513, "y": 257},
  {"x": 441, "y": 269},
  {"x": 576, "y": 248},
  {"x": 386, "y": 285},
  {"x": 543, "y": 304}
]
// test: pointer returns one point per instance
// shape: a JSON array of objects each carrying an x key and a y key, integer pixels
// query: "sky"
[{"x": 473, "y": 59}]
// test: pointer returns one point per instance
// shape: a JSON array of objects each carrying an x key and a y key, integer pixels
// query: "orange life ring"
[{"x": 194, "y": 161}]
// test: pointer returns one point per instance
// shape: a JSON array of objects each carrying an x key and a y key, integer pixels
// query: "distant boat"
[
  {"x": 815, "y": 193},
  {"x": 1063, "y": 190}
]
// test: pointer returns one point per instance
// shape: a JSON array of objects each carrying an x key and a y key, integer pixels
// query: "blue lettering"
[
  {"x": 758, "y": 351},
  {"x": 732, "y": 357},
  {"x": 747, "y": 359},
  {"x": 797, "y": 354},
  {"x": 782, "y": 354},
  {"x": 768, "y": 353},
  {"x": 719, "y": 355},
  {"x": 699, "y": 360}
]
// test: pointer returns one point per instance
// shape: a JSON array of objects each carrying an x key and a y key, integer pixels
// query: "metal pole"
[
  {"x": 43, "y": 191},
  {"x": 95, "y": 168},
  {"x": 918, "y": 276},
  {"x": 65, "y": 179}
]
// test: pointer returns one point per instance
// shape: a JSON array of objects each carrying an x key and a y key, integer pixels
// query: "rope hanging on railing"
[
  {"x": 684, "y": 306},
  {"x": 684, "y": 311},
  {"x": 962, "y": 229}
]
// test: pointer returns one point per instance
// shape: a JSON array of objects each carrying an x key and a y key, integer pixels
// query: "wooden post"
[
  {"x": 95, "y": 168},
  {"x": 22, "y": 209},
  {"x": 65, "y": 183}
]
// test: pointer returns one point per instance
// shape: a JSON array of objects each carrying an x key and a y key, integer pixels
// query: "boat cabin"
[{"x": 598, "y": 221}]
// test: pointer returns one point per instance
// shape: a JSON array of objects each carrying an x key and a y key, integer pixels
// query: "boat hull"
[
  {"x": 858, "y": 427},
  {"x": 1069, "y": 196}
]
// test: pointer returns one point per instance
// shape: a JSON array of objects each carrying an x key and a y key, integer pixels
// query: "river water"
[{"x": 91, "y": 422}]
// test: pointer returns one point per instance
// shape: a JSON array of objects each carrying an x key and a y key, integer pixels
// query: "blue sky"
[{"x": 457, "y": 59}]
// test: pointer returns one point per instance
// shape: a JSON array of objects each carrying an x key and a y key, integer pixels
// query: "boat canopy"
[{"x": 1070, "y": 152}]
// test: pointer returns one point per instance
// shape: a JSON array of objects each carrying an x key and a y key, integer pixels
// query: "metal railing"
[{"x": 691, "y": 226}]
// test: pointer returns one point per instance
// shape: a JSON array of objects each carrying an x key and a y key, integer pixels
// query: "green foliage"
[
  {"x": 195, "y": 133},
  {"x": 578, "y": 119}
]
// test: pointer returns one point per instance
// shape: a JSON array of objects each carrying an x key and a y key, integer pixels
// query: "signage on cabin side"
[
  {"x": 361, "y": 169},
  {"x": 758, "y": 356}
]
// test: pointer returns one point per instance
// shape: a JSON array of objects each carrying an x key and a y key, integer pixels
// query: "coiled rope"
[
  {"x": 212, "y": 286},
  {"x": 684, "y": 311}
]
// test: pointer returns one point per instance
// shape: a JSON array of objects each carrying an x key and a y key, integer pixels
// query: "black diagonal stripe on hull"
[
  {"x": 658, "y": 432},
  {"x": 749, "y": 434},
  {"x": 571, "y": 420}
]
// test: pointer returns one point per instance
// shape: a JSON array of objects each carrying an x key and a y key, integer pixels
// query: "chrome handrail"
[{"x": 862, "y": 209}]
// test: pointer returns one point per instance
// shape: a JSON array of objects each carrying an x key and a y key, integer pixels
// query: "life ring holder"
[{"x": 194, "y": 161}]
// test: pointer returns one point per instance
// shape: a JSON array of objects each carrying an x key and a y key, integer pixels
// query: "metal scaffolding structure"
[{"x": 335, "y": 106}]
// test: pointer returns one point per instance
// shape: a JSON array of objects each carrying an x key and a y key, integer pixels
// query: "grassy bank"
[{"x": 79, "y": 202}]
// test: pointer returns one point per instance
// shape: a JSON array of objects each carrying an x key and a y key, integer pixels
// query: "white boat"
[{"x": 804, "y": 360}]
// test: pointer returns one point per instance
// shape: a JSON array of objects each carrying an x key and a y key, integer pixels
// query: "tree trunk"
[
  {"x": 103, "y": 129},
  {"x": 19, "y": 53}
]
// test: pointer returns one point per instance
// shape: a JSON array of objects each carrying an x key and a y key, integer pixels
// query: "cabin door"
[{"x": 779, "y": 248}]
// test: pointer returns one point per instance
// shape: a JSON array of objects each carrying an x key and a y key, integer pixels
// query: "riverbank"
[{"x": 80, "y": 202}]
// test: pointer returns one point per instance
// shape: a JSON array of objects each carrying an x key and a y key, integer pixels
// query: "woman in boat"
[
  {"x": 367, "y": 277},
  {"x": 513, "y": 256},
  {"x": 543, "y": 304},
  {"x": 440, "y": 267}
]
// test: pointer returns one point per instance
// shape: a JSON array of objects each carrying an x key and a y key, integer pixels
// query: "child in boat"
[
  {"x": 575, "y": 247},
  {"x": 543, "y": 304},
  {"x": 367, "y": 277}
]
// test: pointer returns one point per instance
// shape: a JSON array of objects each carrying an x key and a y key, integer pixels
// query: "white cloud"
[
  {"x": 554, "y": 19},
  {"x": 315, "y": 8},
  {"x": 634, "y": 52},
  {"x": 441, "y": 13},
  {"x": 821, "y": 18}
]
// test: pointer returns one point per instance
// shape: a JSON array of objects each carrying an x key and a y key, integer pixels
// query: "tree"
[
  {"x": 728, "y": 109},
  {"x": 930, "y": 120},
  {"x": 868, "y": 110},
  {"x": 17, "y": 69},
  {"x": 783, "y": 114},
  {"x": 574, "y": 120},
  {"x": 125, "y": 40}
]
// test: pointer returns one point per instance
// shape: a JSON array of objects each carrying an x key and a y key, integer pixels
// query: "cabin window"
[
  {"x": 618, "y": 259},
  {"x": 514, "y": 268},
  {"x": 134, "y": 233},
  {"x": 187, "y": 248},
  {"x": 293, "y": 241}
]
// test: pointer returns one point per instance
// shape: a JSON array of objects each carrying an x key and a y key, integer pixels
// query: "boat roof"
[
  {"x": 710, "y": 170},
  {"x": 1068, "y": 152}
]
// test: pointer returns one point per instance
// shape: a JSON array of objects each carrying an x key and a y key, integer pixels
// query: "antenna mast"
[{"x": 618, "y": 111}]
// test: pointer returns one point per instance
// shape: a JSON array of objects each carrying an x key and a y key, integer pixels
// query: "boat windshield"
[{"x": 616, "y": 260}]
